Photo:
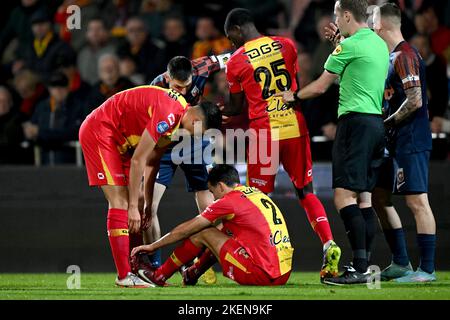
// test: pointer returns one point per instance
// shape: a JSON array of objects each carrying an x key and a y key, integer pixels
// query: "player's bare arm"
[
  {"x": 139, "y": 161},
  {"x": 412, "y": 103},
  {"x": 151, "y": 172},
  {"x": 182, "y": 231},
  {"x": 314, "y": 89}
]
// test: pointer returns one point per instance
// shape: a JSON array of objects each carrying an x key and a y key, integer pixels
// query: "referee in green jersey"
[{"x": 361, "y": 62}]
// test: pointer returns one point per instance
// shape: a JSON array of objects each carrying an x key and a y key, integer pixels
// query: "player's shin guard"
[
  {"x": 117, "y": 226},
  {"x": 355, "y": 226},
  {"x": 397, "y": 243},
  {"x": 136, "y": 240},
  {"x": 427, "y": 246},
  {"x": 183, "y": 254},
  {"x": 371, "y": 219},
  {"x": 317, "y": 217}
]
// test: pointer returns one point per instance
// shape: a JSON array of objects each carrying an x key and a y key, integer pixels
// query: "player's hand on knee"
[{"x": 134, "y": 220}]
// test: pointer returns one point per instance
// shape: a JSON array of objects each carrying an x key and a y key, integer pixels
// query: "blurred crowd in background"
[{"x": 51, "y": 77}]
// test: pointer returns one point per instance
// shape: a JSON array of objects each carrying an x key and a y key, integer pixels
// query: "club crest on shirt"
[
  {"x": 243, "y": 253},
  {"x": 195, "y": 91},
  {"x": 162, "y": 127},
  {"x": 337, "y": 50}
]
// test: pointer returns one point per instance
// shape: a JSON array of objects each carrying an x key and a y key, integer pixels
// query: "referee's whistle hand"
[
  {"x": 287, "y": 96},
  {"x": 332, "y": 34}
]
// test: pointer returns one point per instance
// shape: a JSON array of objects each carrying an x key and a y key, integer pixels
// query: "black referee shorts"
[{"x": 358, "y": 151}]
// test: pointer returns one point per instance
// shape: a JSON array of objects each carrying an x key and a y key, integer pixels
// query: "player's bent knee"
[
  {"x": 300, "y": 193},
  {"x": 305, "y": 191},
  {"x": 201, "y": 236},
  {"x": 207, "y": 231},
  {"x": 117, "y": 196}
]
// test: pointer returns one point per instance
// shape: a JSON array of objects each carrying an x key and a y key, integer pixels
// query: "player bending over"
[
  {"x": 128, "y": 133},
  {"x": 253, "y": 247}
]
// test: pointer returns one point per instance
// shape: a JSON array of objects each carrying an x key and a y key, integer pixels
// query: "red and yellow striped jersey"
[
  {"x": 260, "y": 68},
  {"x": 252, "y": 219},
  {"x": 128, "y": 113}
]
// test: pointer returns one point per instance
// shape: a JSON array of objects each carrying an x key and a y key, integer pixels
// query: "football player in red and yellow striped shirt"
[
  {"x": 261, "y": 67},
  {"x": 128, "y": 133},
  {"x": 253, "y": 247}
]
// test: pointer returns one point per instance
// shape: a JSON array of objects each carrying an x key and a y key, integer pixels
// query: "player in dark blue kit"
[
  {"x": 405, "y": 171},
  {"x": 188, "y": 78}
]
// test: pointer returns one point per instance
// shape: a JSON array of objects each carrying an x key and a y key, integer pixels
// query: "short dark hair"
[
  {"x": 238, "y": 17},
  {"x": 179, "y": 68},
  {"x": 223, "y": 173},
  {"x": 212, "y": 114},
  {"x": 58, "y": 79},
  {"x": 357, "y": 7},
  {"x": 390, "y": 10},
  {"x": 40, "y": 15}
]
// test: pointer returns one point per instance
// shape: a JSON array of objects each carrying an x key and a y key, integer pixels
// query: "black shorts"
[{"x": 358, "y": 151}]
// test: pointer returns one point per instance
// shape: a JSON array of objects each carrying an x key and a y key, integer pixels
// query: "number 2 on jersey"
[{"x": 269, "y": 205}]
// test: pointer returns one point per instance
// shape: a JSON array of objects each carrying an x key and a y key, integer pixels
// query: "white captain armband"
[{"x": 222, "y": 59}]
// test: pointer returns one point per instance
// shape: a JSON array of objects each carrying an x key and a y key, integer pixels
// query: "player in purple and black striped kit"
[{"x": 408, "y": 135}]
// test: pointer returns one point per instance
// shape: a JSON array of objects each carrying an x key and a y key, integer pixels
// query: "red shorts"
[
  {"x": 104, "y": 163},
  {"x": 239, "y": 266},
  {"x": 294, "y": 154}
]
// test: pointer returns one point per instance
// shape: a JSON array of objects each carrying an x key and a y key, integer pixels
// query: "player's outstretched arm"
[
  {"x": 314, "y": 89},
  {"x": 180, "y": 232},
  {"x": 318, "y": 87}
]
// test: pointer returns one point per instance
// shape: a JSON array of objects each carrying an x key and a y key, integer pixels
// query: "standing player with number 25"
[{"x": 261, "y": 67}]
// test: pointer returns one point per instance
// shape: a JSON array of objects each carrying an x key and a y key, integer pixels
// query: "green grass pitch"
[{"x": 301, "y": 285}]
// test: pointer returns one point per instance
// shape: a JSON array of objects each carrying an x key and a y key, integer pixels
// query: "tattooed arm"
[{"x": 412, "y": 103}]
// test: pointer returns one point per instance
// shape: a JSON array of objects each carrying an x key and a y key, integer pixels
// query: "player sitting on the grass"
[
  {"x": 123, "y": 137},
  {"x": 189, "y": 79},
  {"x": 253, "y": 247}
]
